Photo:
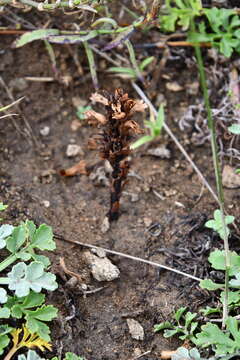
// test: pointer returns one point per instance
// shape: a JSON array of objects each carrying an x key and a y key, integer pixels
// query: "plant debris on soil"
[{"x": 163, "y": 206}]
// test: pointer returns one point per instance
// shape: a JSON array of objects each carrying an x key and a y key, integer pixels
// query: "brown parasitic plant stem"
[{"x": 115, "y": 139}]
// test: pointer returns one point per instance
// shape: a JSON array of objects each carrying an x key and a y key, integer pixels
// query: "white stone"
[
  {"x": 45, "y": 131},
  {"x": 101, "y": 268},
  {"x": 73, "y": 150},
  {"x": 135, "y": 329}
]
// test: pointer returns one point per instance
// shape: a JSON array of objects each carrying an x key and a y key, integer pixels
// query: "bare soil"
[{"x": 166, "y": 229}]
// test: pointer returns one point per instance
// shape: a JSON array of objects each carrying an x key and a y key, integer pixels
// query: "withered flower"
[{"x": 114, "y": 141}]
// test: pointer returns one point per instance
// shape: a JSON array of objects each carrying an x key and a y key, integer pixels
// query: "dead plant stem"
[{"x": 129, "y": 257}]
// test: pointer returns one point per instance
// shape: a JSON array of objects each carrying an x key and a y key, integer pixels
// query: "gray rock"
[
  {"x": 160, "y": 151},
  {"x": 73, "y": 150},
  {"x": 135, "y": 329},
  {"x": 101, "y": 268}
]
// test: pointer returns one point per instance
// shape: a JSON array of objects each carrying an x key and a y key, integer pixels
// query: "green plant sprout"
[
  {"x": 217, "y": 225},
  {"x": 132, "y": 73},
  {"x": 183, "y": 325},
  {"x": 234, "y": 129},
  {"x": 2, "y": 206},
  {"x": 81, "y": 111},
  {"x": 155, "y": 126}
]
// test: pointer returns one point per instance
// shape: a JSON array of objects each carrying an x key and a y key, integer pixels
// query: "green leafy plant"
[
  {"x": 217, "y": 224},
  {"x": 21, "y": 296},
  {"x": 81, "y": 111},
  {"x": 155, "y": 126},
  {"x": 222, "y": 342},
  {"x": 184, "y": 325},
  {"x": 224, "y": 33},
  {"x": 180, "y": 14},
  {"x": 131, "y": 73},
  {"x": 234, "y": 129}
]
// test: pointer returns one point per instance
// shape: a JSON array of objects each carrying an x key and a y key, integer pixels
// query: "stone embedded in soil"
[
  {"x": 46, "y": 203},
  {"x": 105, "y": 225},
  {"x": 18, "y": 84},
  {"x": 74, "y": 150},
  {"x": 101, "y": 268},
  {"x": 135, "y": 329},
  {"x": 160, "y": 151},
  {"x": 99, "y": 252},
  {"x": 174, "y": 86},
  {"x": 45, "y": 131},
  {"x": 230, "y": 179}
]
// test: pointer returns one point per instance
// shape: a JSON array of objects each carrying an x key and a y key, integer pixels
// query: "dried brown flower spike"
[{"x": 114, "y": 141}]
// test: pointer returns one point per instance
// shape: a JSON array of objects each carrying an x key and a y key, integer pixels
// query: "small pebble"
[
  {"x": 135, "y": 329},
  {"x": 74, "y": 150},
  {"x": 75, "y": 125},
  {"x": 99, "y": 252},
  {"x": 230, "y": 179},
  {"x": 174, "y": 86},
  {"x": 160, "y": 151},
  {"x": 102, "y": 269},
  {"x": 46, "y": 203},
  {"x": 105, "y": 225},
  {"x": 45, "y": 131},
  {"x": 147, "y": 221}
]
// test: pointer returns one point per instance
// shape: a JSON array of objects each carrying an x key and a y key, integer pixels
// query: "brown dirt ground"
[{"x": 29, "y": 177}]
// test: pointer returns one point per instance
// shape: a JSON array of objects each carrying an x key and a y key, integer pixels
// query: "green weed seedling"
[
  {"x": 217, "y": 225},
  {"x": 155, "y": 127},
  {"x": 183, "y": 325},
  {"x": 21, "y": 294},
  {"x": 81, "y": 111},
  {"x": 234, "y": 129},
  {"x": 131, "y": 73}
]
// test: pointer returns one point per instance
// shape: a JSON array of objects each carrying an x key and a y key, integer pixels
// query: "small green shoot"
[
  {"x": 234, "y": 129},
  {"x": 81, "y": 111},
  {"x": 155, "y": 126},
  {"x": 217, "y": 225},
  {"x": 131, "y": 73},
  {"x": 183, "y": 325},
  {"x": 3, "y": 207}
]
